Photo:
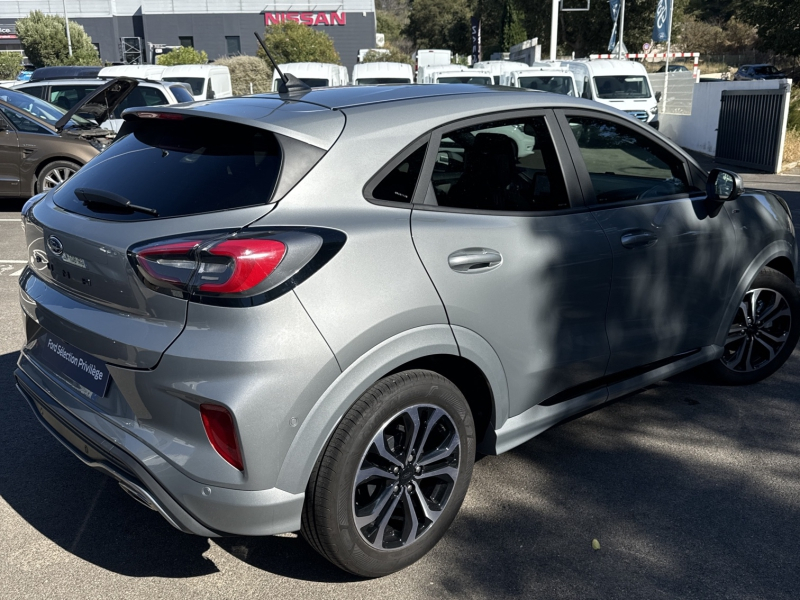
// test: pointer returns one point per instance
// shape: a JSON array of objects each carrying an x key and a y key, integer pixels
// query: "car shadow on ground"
[{"x": 691, "y": 490}]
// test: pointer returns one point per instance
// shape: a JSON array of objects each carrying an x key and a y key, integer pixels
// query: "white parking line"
[
  {"x": 14, "y": 262},
  {"x": 10, "y": 220}
]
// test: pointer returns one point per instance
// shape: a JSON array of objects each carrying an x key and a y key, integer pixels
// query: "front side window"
[
  {"x": 67, "y": 96},
  {"x": 508, "y": 165},
  {"x": 626, "y": 165},
  {"x": 21, "y": 123},
  {"x": 620, "y": 87}
]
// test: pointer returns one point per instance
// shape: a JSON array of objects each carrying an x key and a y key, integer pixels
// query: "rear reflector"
[{"x": 221, "y": 432}]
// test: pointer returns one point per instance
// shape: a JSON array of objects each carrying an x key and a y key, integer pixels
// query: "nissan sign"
[{"x": 306, "y": 18}]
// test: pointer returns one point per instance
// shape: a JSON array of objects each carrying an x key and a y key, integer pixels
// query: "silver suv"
[{"x": 309, "y": 311}]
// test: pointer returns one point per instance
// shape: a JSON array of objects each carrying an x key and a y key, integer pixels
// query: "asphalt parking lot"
[{"x": 693, "y": 491}]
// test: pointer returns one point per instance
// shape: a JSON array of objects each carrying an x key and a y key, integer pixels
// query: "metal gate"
[{"x": 751, "y": 128}]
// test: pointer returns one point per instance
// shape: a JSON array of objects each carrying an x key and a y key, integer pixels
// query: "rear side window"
[
  {"x": 67, "y": 96},
  {"x": 179, "y": 168},
  {"x": 34, "y": 90},
  {"x": 399, "y": 184}
]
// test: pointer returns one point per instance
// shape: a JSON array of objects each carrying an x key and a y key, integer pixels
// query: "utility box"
[{"x": 528, "y": 52}]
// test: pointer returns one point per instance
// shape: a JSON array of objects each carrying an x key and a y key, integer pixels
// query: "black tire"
[
  {"x": 55, "y": 173},
  {"x": 774, "y": 294},
  {"x": 333, "y": 496}
]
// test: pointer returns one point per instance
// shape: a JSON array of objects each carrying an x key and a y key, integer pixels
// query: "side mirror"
[
  {"x": 723, "y": 186},
  {"x": 658, "y": 96}
]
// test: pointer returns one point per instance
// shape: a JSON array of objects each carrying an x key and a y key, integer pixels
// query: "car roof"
[{"x": 98, "y": 81}]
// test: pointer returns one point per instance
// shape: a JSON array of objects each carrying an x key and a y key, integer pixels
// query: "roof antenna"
[{"x": 289, "y": 84}]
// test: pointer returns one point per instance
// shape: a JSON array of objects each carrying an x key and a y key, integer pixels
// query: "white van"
[
  {"x": 498, "y": 67},
  {"x": 314, "y": 74},
  {"x": 382, "y": 72},
  {"x": 545, "y": 78},
  {"x": 207, "y": 81},
  {"x": 430, "y": 58},
  {"x": 454, "y": 74},
  {"x": 623, "y": 84},
  {"x": 151, "y": 72}
]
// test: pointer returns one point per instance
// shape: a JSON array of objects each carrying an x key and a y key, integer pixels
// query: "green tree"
[
  {"x": 44, "y": 38},
  {"x": 10, "y": 65},
  {"x": 292, "y": 42},
  {"x": 391, "y": 26},
  {"x": 513, "y": 30},
  {"x": 393, "y": 55},
  {"x": 778, "y": 23},
  {"x": 247, "y": 71},
  {"x": 185, "y": 55},
  {"x": 441, "y": 24}
]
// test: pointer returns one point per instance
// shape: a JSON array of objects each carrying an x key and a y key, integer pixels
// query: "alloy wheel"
[
  {"x": 56, "y": 177},
  {"x": 759, "y": 331},
  {"x": 406, "y": 477}
]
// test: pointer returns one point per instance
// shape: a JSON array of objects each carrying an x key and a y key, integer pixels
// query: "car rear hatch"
[{"x": 172, "y": 176}]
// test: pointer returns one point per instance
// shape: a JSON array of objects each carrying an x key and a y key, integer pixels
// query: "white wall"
[{"x": 698, "y": 131}]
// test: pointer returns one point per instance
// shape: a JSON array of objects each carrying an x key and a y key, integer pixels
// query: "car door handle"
[
  {"x": 474, "y": 260},
  {"x": 638, "y": 238}
]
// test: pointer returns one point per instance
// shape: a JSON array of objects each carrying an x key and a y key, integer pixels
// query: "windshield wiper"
[{"x": 105, "y": 198}]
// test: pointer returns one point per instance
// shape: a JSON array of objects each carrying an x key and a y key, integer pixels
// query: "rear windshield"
[
  {"x": 556, "y": 85},
  {"x": 179, "y": 168},
  {"x": 379, "y": 80},
  {"x": 198, "y": 83}
]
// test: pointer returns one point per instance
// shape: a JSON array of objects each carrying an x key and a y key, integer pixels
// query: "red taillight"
[
  {"x": 169, "y": 262},
  {"x": 253, "y": 261},
  {"x": 221, "y": 432}
]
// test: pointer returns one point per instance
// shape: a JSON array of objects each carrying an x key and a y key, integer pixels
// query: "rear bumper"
[{"x": 188, "y": 505}]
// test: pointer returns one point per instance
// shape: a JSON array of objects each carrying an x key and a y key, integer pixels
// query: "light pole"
[
  {"x": 621, "y": 27},
  {"x": 554, "y": 30},
  {"x": 66, "y": 20}
]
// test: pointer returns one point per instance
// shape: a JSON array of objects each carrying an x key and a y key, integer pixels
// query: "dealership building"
[{"x": 122, "y": 28}]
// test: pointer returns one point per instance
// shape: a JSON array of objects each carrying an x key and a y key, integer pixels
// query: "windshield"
[
  {"x": 765, "y": 70},
  {"x": 616, "y": 87},
  {"x": 378, "y": 80},
  {"x": 198, "y": 83},
  {"x": 181, "y": 93},
  {"x": 465, "y": 79},
  {"x": 49, "y": 113},
  {"x": 556, "y": 85}
]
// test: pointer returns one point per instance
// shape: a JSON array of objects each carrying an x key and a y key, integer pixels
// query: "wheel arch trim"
[
  {"x": 420, "y": 342},
  {"x": 777, "y": 249}
]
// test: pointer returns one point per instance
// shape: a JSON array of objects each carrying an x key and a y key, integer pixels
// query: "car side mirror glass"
[
  {"x": 658, "y": 96},
  {"x": 724, "y": 185}
]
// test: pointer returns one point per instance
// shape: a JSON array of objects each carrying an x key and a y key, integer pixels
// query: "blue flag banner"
[
  {"x": 614, "y": 5},
  {"x": 663, "y": 21},
  {"x": 613, "y": 41}
]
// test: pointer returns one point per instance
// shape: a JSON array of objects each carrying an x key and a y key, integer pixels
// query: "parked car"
[
  {"x": 382, "y": 72},
  {"x": 66, "y": 93},
  {"x": 42, "y": 145},
  {"x": 750, "y": 72},
  {"x": 314, "y": 74},
  {"x": 251, "y": 349},
  {"x": 544, "y": 78},
  {"x": 454, "y": 74},
  {"x": 498, "y": 68},
  {"x": 673, "y": 69},
  {"x": 206, "y": 81},
  {"x": 70, "y": 72}
]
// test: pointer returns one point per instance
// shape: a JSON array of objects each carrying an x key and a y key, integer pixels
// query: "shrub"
[
  {"x": 10, "y": 65},
  {"x": 393, "y": 55},
  {"x": 247, "y": 70},
  {"x": 292, "y": 42},
  {"x": 185, "y": 55}
]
